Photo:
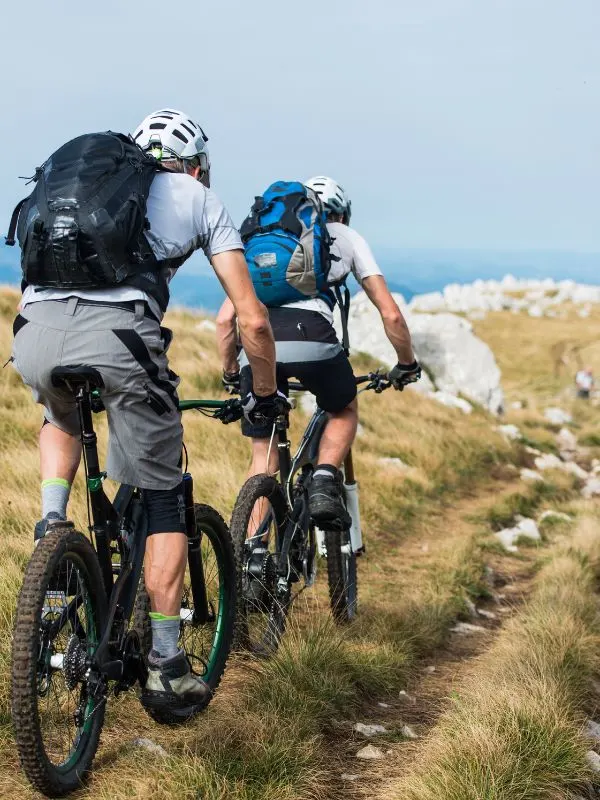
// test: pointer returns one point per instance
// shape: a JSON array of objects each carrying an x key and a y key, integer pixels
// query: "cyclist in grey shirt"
[{"x": 117, "y": 331}]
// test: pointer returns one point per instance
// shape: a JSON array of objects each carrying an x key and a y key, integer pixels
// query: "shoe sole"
[{"x": 172, "y": 703}]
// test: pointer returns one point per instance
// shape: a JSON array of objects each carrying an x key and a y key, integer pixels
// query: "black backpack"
[{"x": 83, "y": 225}]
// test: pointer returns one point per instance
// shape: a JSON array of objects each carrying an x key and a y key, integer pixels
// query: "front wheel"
[
  {"x": 342, "y": 575},
  {"x": 205, "y": 634},
  {"x": 57, "y": 702}
]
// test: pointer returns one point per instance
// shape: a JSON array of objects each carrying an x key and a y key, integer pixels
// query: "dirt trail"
[{"x": 439, "y": 676}]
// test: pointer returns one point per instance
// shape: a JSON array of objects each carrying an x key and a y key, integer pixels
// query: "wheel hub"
[{"x": 261, "y": 577}]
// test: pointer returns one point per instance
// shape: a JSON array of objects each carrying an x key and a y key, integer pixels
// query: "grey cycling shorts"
[{"x": 129, "y": 349}]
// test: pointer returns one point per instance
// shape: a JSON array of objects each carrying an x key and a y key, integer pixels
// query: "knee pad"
[{"x": 165, "y": 509}]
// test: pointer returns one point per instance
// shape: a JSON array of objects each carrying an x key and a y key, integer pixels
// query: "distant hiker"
[
  {"x": 584, "y": 381},
  {"x": 300, "y": 250},
  {"x": 96, "y": 271}
]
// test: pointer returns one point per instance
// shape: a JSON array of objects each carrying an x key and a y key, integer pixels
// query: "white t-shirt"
[
  {"x": 355, "y": 256},
  {"x": 184, "y": 216}
]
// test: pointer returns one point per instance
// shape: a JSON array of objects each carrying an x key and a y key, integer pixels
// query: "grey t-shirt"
[{"x": 184, "y": 216}]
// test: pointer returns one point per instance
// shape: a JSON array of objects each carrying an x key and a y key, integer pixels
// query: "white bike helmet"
[
  {"x": 169, "y": 134},
  {"x": 332, "y": 195}
]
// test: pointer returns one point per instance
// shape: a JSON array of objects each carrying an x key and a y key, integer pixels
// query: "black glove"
[
  {"x": 231, "y": 382},
  {"x": 403, "y": 374},
  {"x": 264, "y": 410}
]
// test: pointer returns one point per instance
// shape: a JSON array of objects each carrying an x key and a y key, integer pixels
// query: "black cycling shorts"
[{"x": 307, "y": 351}]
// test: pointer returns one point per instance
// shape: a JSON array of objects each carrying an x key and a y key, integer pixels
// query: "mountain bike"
[
  {"x": 276, "y": 543},
  {"x": 80, "y": 633}
]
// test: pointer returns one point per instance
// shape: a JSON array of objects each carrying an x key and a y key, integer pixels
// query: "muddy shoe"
[
  {"x": 173, "y": 687},
  {"x": 325, "y": 501}
]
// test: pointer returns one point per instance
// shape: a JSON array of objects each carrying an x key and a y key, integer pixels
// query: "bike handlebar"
[{"x": 378, "y": 381}]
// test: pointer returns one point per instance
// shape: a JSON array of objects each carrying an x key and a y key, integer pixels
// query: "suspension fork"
[
  {"x": 94, "y": 478},
  {"x": 201, "y": 609}
]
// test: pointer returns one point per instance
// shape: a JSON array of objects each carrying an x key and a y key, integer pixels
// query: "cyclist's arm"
[
  {"x": 227, "y": 338},
  {"x": 394, "y": 323},
  {"x": 253, "y": 321}
]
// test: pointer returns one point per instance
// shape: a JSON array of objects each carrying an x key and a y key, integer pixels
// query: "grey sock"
[
  {"x": 325, "y": 471},
  {"x": 165, "y": 633},
  {"x": 55, "y": 496}
]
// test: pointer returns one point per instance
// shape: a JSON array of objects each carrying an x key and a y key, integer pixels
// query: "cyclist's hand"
[
  {"x": 403, "y": 374},
  {"x": 264, "y": 410},
  {"x": 231, "y": 382}
]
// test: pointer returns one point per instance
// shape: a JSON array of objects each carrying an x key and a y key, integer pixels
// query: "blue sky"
[{"x": 452, "y": 123}]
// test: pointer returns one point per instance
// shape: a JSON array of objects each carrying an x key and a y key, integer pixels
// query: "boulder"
[{"x": 457, "y": 360}]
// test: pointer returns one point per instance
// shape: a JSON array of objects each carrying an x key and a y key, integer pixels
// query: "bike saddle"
[{"x": 75, "y": 375}]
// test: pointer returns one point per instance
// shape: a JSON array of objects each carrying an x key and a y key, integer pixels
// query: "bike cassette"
[{"x": 75, "y": 662}]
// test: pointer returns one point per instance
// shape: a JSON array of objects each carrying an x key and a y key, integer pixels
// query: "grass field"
[{"x": 281, "y": 729}]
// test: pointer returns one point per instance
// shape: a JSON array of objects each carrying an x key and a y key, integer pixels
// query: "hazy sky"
[{"x": 452, "y": 123}]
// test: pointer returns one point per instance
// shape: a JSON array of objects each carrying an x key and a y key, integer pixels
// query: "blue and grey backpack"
[{"x": 287, "y": 245}]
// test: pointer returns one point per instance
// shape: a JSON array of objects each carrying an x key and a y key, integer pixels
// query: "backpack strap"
[
  {"x": 12, "y": 228},
  {"x": 343, "y": 302},
  {"x": 289, "y": 219}
]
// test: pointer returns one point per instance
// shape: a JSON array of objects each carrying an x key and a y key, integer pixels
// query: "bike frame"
[
  {"x": 304, "y": 460},
  {"x": 124, "y": 521}
]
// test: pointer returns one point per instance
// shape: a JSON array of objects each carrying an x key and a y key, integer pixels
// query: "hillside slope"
[{"x": 283, "y": 729}]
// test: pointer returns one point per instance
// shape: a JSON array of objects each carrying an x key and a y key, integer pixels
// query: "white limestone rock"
[
  {"x": 452, "y": 401},
  {"x": 593, "y": 760},
  {"x": 368, "y": 730},
  {"x": 525, "y": 528},
  {"x": 457, "y": 360},
  {"x": 370, "y": 753},
  {"x": 150, "y": 747},
  {"x": 566, "y": 440},
  {"x": 592, "y": 729},
  {"x": 510, "y": 432},
  {"x": 557, "y": 416},
  {"x": 467, "y": 628},
  {"x": 393, "y": 463},
  {"x": 530, "y": 475},
  {"x": 591, "y": 488}
]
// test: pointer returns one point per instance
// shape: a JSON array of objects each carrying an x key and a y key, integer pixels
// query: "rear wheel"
[
  {"x": 257, "y": 527},
  {"x": 206, "y": 639},
  {"x": 342, "y": 575},
  {"x": 57, "y": 702}
]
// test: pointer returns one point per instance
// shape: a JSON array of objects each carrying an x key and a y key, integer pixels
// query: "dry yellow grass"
[
  {"x": 263, "y": 735},
  {"x": 515, "y": 728}
]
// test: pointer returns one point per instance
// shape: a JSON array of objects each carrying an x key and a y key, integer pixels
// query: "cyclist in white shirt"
[{"x": 307, "y": 348}]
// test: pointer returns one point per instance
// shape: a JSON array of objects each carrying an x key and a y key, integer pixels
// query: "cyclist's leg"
[
  {"x": 37, "y": 349},
  {"x": 265, "y": 456},
  {"x": 332, "y": 382}
]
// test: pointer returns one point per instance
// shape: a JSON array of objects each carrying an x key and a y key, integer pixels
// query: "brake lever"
[{"x": 230, "y": 412}]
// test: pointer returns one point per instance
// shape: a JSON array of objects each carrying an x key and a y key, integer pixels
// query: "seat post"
[
  {"x": 88, "y": 436},
  {"x": 94, "y": 485}
]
